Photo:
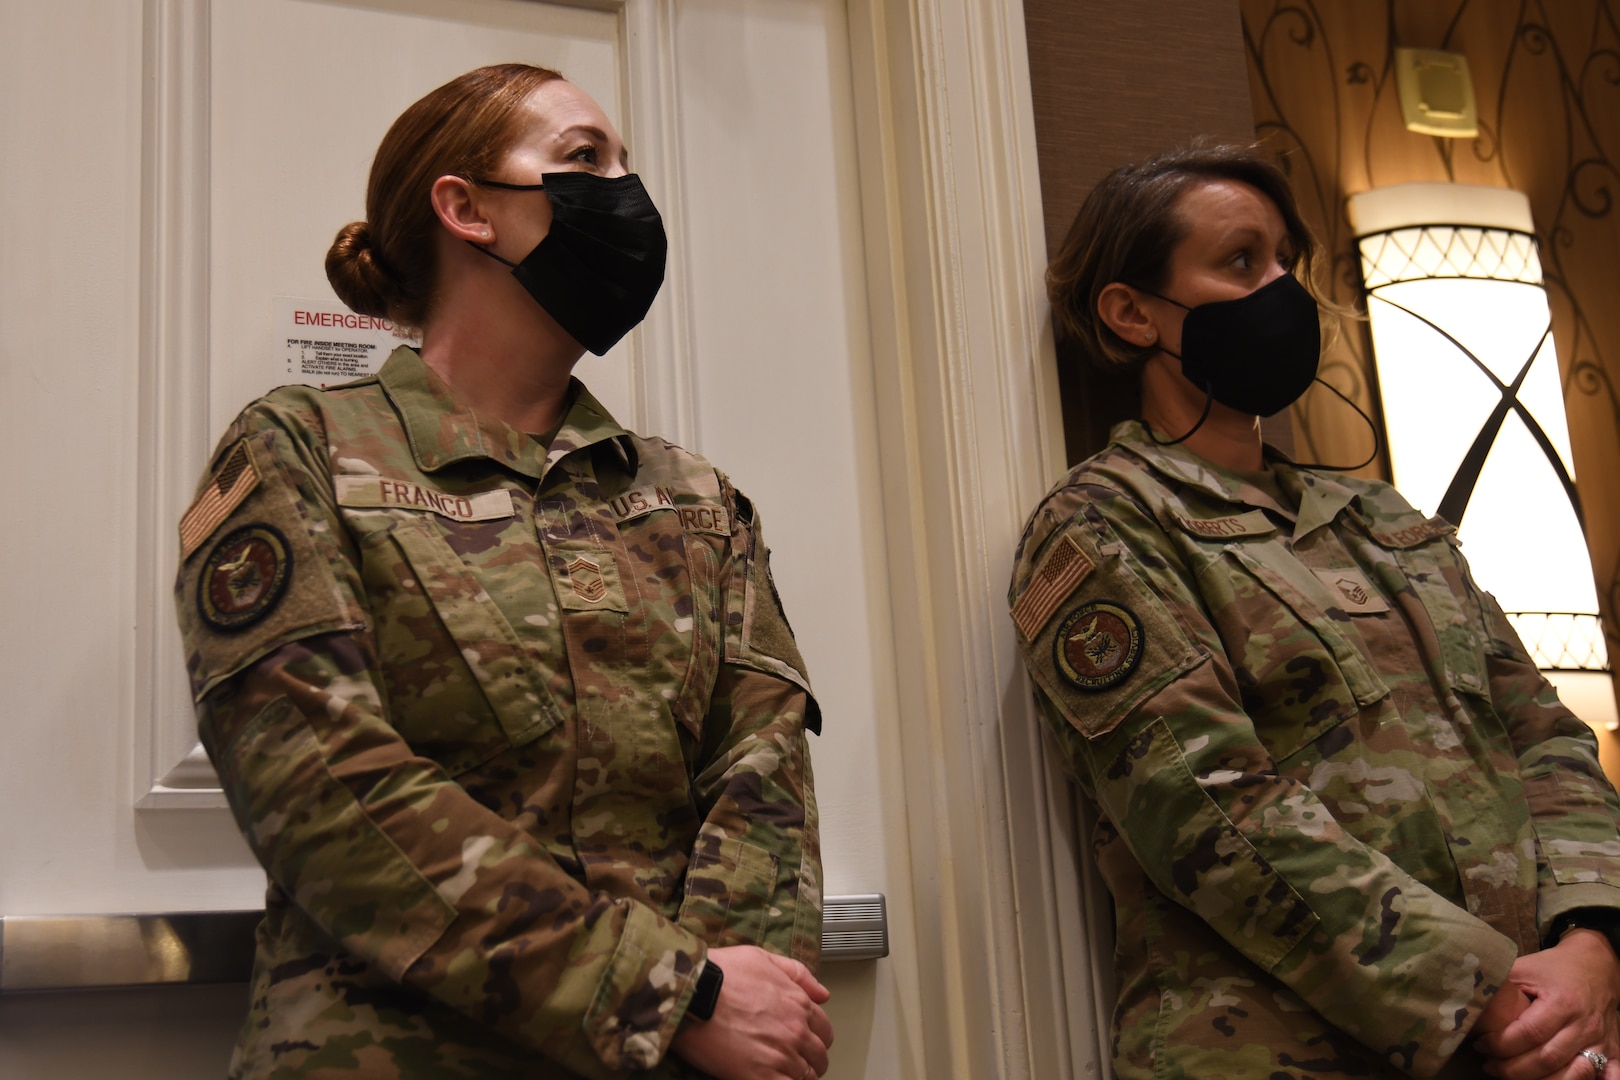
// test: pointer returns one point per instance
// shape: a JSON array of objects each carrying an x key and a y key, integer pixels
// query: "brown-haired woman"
[
  {"x": 1339, "y": 809},
  {"x": 500, "y": 693}
]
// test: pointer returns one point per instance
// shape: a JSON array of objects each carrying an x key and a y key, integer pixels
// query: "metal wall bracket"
[{"x": 88, "y": 952}]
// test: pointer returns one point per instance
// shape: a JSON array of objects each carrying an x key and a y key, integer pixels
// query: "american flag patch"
[
  {"x": 1064, "y": 568},
  {"x": 223, "y": 493}
]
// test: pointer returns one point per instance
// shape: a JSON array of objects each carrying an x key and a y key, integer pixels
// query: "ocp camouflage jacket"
[
  {"x": 516, "y": 732},
  {"x": 1335, "y": 796}
]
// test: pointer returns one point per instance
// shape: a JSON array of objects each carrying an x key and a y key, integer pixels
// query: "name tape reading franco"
[
  {"x": 1058, "y": 575},
  {"x": 693, "y": 517},
  {"x": 223, "y": 493},
  {"x": 1098, "y": 645},
  {"x": 376, "y": 492}
]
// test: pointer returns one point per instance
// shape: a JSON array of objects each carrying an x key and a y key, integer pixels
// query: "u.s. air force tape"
[
  {"x": 244, "y": 577},
  {"x": 1098, "y": 645}
]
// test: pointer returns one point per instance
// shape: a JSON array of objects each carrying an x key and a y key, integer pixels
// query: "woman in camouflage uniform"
[
  {"x": 1348, "y": 828},
  {"x": 501, "y": 694}
]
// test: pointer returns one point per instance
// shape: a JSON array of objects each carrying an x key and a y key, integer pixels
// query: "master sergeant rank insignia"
[
  {"x": 243, "y": 577},
  {"x": 1098, "y": 645}
]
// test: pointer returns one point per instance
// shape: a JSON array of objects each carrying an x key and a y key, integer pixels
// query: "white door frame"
[{"x": 971, "y": 437}]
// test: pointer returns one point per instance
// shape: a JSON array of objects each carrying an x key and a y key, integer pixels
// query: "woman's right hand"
[{"x": 768, "y": 1022}]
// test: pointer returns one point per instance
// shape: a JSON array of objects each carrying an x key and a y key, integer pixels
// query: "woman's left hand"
[{"x": 1574, "y": 989}]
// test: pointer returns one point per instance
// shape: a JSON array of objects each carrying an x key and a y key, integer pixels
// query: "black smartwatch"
[
  {"x": 1605, "y": 921},
  {"x": 707, "y": 992}
]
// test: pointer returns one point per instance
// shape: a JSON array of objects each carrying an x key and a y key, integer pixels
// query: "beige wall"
[{"x": 1544, "y": 79}]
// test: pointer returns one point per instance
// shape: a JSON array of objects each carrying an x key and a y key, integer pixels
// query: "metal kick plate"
[{"x": 84, "y": 952}]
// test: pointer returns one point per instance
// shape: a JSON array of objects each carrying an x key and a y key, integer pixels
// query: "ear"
[
  {"x": 458, "y": 210},
  {"x": 1120, "y": 307}
]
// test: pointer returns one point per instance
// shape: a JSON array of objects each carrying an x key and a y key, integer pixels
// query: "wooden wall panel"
[
  {"x": 1546, "y": 76},
  {"x": 1114, "y": 83}
]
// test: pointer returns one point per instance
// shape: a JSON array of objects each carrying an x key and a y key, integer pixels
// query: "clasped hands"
[
  {"x": 1555, "y": 1004},
  {"x": 768, "y": 1023}
]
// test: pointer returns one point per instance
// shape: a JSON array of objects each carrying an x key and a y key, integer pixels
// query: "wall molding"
[
  {"x": 970, "y": 440},
  {"x": 173, "y": 387}
]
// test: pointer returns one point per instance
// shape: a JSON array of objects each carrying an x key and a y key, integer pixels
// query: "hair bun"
[{"x": 357, "y": 275}]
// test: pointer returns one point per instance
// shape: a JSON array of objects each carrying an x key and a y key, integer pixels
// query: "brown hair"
[
  {"x": 387, "y": 265},
  {"x": 1128, "y": 227}
]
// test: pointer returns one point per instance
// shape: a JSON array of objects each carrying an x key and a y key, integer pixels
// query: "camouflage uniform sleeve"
[
  {"x": 376, "y": 844},
  {"x": 755, "y": 875},
  {"x": 1573, "y": 807},
  {"x": 1155, "y": 730}
]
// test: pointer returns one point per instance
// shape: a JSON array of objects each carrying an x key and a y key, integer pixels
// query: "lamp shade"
[{"x": 1474, "y": 410}]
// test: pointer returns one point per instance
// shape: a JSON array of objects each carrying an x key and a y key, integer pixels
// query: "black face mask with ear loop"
[
  {"x": 1257, "y": 354},
  {"x": 601, "y": 265}
]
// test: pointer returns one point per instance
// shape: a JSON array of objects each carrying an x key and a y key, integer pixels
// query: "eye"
[
  {"x": 1287, "y": 259},
  {"x": 1243, "y": 259},
  {"x": 586, "y": 154}
]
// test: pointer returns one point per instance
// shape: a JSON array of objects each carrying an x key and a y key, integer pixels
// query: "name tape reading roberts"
[
  {"x": 375, "y": 492},
  {"x": 1253, "y": 523}
]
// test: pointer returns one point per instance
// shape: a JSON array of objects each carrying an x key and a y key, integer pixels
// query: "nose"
[
  {"x": 616, "y": 167},
  {"x": 1274, "y": 271}
]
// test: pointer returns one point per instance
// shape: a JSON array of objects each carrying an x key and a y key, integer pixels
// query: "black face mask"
[
  {"x": 1256, "y": 354},
  {"x": 599, "y": 268}
]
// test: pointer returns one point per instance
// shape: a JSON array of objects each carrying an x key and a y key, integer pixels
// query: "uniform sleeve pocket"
[
  {"x": 730, "y": 890},
  {"x": 321, "y": 847},
  {"x": 1110, "y": 645},
  {"x": 1195, "y": 853}
]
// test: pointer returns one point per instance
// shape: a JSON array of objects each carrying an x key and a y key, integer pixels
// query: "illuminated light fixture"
[{"x": 1474, "y": 411}]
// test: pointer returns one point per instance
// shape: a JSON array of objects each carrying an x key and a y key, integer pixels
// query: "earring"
[
  {"x": 1148, "y": 336},
  {"x": 484, "y": 234}
]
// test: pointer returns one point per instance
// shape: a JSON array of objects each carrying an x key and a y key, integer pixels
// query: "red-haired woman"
[{"x": 501, "y": 693}]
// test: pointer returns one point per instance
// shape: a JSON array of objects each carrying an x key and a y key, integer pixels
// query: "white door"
[{"x": 194, "y": 169}]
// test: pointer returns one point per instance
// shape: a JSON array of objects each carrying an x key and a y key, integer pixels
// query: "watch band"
[
  {"x": 1605, "y": 921},
  {"x": 707, "y": 993}
]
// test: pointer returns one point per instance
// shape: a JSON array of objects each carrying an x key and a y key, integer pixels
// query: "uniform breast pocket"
[
  {"x": 671, "y": 577},
  {"x": 462, "y": 687},
  {"x": 1298, "y": 671}
]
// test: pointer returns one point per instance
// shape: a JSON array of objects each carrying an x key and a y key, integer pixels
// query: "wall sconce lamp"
[{"x": 1474, "y": 411}]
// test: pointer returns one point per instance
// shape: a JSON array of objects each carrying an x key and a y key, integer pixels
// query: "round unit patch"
[
  {"x": 1098, "y": 645},
  {"x": 243, "y": 577}
]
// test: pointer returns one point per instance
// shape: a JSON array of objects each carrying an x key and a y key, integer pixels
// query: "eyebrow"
[{"x": 599, "y": 135}]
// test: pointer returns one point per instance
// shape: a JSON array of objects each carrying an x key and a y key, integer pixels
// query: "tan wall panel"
[{"x": 1114, "y": 83}]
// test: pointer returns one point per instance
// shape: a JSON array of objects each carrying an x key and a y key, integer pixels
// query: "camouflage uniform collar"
[
  {"x": 443, "y": 431},
  {"x": 1321, "y": 495}
]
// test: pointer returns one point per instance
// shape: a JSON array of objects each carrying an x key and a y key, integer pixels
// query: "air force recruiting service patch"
[
  {"x": 1098, "y": 645},
  {"x": 243, "y": 577}
]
